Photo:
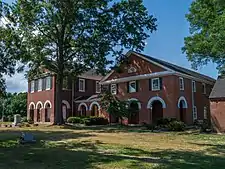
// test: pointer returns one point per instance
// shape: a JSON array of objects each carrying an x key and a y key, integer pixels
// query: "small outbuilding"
[{"x": 217, "y": 105}]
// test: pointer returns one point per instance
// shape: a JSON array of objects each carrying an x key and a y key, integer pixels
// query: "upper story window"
[
  {"x": 132, "y": 87},
  {"x": 203, "y": 88},
  {"x": 65, "y": 83},
  {"x": 81, "y": 85},
  {"x": 132, "y": 70},
  {"x": 98, "y": 87},
  {"x": 195, "y": 115},
  {"x": 114, "y": 88},
  {"x": 193, "y": 86},
  {"x": 39, "y": 84},
  {"x": 32, "y": 83},
  {"x": 155, "y": 84},
  {"x": 48, "y": 83},
  {"x": 181, "y": 80},
  {"x": 205, "y": 113}
]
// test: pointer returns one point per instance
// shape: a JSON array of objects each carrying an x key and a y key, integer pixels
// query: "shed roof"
[{"x": 218, "y": 90}]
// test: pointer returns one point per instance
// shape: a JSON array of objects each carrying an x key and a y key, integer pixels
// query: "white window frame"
[
  {"x": 114, "y": 89},
  {"x": 97, "y": 87},
  {"x": 82, "y": 90},
  {"x": 132, "y": 70},
  {"x": 131, "y": 82},
  {"x": 193, "y": 86},
  {"x": 32, "y": 86},
  {"x": 155, "y": 89},
  {"x": 195, "y": 113},
  {"x": 204, "y": 88},
  {"x": 48, "y": 79},
  {"x": 205, "y": 113},
  {"x": 181, "y": 82},
  {"x": 40, "y": 86}
]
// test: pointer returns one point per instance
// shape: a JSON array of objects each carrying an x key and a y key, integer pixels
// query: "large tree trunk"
[{"x": 58, "y": 102}]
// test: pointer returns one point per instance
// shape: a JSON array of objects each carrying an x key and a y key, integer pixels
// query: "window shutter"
[
  {"x": 77, "y": 85},
  {"x": 43, "y": 83},
  {"x": 29, "y": 87},
  {"x": 127, "y": 87},
  {"x": 137, "y": 85},
  {"x": 50, "y": 82},
  {"x": 160, "y": 82},
  {"x": 150, "y": 84},
  {"x": 85, "y": 82}
]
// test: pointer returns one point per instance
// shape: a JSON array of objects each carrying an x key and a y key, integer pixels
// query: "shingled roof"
[
  {"x": 218, "y": 90},
  {"x": 91, "y": 74},
  {"x": 176, "y": 68}
]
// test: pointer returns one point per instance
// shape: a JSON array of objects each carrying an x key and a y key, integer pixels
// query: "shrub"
[
  {"x": 5, "y": 119},
  {"x": 10, "y": 118},
  {"x": 150, "y": 127},
  {"x": 96, "y": 121},
  {"x": 24, "y": 120},
  {"x": 30, "y": 121},
  {"x": 176, "y": 126},
  {"x": 74, "y": 120},
  {"x": 205, "y": 126},
  {"x": 164, "y": 122}
]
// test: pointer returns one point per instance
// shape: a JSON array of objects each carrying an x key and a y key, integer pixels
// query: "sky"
[{"x": 165, "y": 43}]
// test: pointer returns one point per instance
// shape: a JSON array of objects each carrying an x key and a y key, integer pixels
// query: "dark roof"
[
  {"x": 91, "y": 74},
  {"x": 218, "y": 90},
  {"x": 177, "y": 68}
]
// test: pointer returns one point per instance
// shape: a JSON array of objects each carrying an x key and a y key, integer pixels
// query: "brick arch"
[
  {"x": 94, "y": 103},
  {"x": 39, "y": 103},
  {"x": 47, "y": 102},
  {"x": 31, "y": 104},
  {"x": 136, "y": 100},
  {"x": 182, "y": 98},
  {"x": 156, "y": 98},
  {"x": 82, "y": 104},
  {"x": 66, "y": 103}
]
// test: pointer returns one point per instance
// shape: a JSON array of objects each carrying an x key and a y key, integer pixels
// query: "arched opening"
[
  {"x": 182, "y": 105},
  {"x": 94, "y": 110},
  {"x": 83, "y": 110},
  {"x": 39, "y": 107},
  {"x": 47, "y": 112},
  {"x": 134, "y": 113},
  {"x": 65, "y": 108},
  {"x": 157, "y": 111},
  {"x": 31, "y": 111}
]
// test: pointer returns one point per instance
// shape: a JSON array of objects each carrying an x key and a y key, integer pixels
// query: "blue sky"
[{"x": 165, "y": 43}]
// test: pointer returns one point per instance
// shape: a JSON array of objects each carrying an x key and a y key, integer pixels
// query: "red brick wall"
[
  {"x": 218, "y": 115},
  {"x": 42, "y": 96}
]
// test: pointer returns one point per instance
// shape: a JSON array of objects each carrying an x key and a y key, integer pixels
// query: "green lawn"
[{"x": 109, "y": 148}]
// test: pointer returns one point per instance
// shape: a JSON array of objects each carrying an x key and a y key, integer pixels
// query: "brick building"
[{"x": 159, "y": 89}]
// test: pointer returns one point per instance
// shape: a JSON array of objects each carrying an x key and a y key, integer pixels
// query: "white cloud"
[{"x": 16, "y": 83}]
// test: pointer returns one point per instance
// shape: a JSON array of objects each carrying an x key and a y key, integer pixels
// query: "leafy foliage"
[
  {"x": 14, "y": 104},
  {"x": 70, "y": 37},
  {"x": 207, "y": 40},
  {"x": 176, "y": 126}
]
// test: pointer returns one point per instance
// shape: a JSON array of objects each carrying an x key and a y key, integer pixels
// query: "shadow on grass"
[{"x": 109, "y": 128}]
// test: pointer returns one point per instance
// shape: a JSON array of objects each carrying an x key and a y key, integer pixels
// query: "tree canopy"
[
  {"x": 207, "y": 33},
  {"x": 68, "y": 37}
]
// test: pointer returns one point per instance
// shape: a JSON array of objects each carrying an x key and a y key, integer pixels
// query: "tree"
[
  {"x": 7, "y": 61},
  {"x": 68, "y": 37},
  {"x": 207, "y": 33}
]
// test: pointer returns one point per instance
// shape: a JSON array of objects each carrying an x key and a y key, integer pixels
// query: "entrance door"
[{"x": 157, "y": 111}]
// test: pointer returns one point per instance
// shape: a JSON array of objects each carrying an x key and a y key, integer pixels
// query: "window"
[
  {"x": 193, "y": 86},
  {"x": 203, "y": 88},
  {"x": 132, "y": 70},
  {"x": 155, "y": 84},
  {"x": 113, "y": 88},
  {"x": 195, "y": 116},
  {"x": 39, "y": 84},
  {"x": 81, "y": 85},
  {"x": 65, "y": 83},
  {"x": 181, "y": 83},
  {"x": 132, "y": 87},
  {"x": 48, "y": 83},
  {"x": 98, "y": 87},
  {"x": 205, "y": 113},
  {"x": 32, "y": 86}
]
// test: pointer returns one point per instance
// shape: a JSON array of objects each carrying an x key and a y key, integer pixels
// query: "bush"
[
  {"x": 164, "y": 122},
  {"x": 176, "y": 126},
  {"x": 74, "y": 120},
  {"x": 30, "y": 121},
  {"x": 24, "y": 120},
  {"x": 96, "y": 121},
  {"x": 5, "y": 119},
  {"x": 150, "y": 127},
  {"x": 10, "y": 118},
  {"x": 205, "y": 126}
]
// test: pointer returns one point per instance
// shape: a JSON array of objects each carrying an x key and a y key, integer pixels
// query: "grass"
[{"x": 110, "y": 148}]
